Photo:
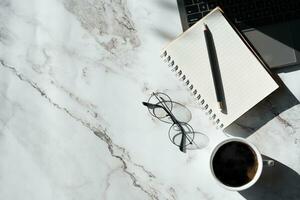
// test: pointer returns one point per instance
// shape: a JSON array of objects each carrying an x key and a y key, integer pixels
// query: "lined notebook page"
[{"x": 245, "y": 80}]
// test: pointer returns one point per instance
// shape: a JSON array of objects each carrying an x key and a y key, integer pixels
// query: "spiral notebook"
[{"x": 245, "y": 78}]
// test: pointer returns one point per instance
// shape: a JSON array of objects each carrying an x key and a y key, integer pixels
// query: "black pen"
[{"x": 213, "y": 64}]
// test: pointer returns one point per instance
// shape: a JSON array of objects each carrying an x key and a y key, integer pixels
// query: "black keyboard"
[{"x": 245, "y": 13}]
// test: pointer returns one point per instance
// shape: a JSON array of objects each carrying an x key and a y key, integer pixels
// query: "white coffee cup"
[{"x": 260, "y": 163}]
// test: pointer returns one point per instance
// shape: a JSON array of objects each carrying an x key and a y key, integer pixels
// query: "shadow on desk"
[
  {"x": 287, "y": 69},
  {"x": 277, "y": 183},
  {"x": 279, "y": 101}
]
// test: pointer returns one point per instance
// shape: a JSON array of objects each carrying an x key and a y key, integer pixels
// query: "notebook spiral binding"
[{"x": 176, "y": 69}]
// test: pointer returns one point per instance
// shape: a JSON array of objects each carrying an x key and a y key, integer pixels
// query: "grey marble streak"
[
  {"x": 90, "y": 64},
  {"x": 94, "y": 17},
  {"x": 129, "y": 167}
]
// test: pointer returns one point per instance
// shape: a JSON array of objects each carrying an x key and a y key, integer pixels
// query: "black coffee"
[{"x": 235, "y": 164}]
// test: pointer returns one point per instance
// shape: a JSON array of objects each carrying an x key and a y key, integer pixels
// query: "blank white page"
[{"x": 245, "y": 80}]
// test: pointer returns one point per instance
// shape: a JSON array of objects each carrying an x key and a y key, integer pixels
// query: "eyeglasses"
[{"x": 180, "y": 133}]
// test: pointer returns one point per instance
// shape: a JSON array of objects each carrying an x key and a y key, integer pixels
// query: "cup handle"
[{"x": 268, "y": 163}]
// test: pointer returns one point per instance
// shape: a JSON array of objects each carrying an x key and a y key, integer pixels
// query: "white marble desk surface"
[{"x": 72, "y": 77}]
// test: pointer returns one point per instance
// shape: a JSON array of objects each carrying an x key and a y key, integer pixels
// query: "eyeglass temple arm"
[{"x": 152, "y": 106}]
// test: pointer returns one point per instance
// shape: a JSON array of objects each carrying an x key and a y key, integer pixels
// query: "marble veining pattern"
[{"x": 73, "y": 75}]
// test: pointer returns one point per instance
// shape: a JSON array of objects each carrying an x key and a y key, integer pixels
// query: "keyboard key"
[
  {"x": 194, "y": 17},
  {"x": 269, "y": 3},
  {"x": 199, "y": 1},
  {"x": 260, "y": 4},
  {"x": 266, "y": 12},
  {"x": 249, "y": 16},
  {"x": 205, "y": 13},
  {"x": 243, "y": 8},
  {"x": 212, "y": 5},
  {"x": 250, "y": 13},
  {"x": 240, "y": 18},
  {"x": 188, "y": 2},
  {"x": 258, "y": 14},
  {"x": 192, "y": 9},
  {"x": 203, "y": 7},
  {"x": 278, "y": 18},
  {"x": 275, "y": 9},
  {"x": 229, "y": 2},
  {"x": 251, "y": 6},
  {"x": 233, "y": 10},
  {"x": 284, "y": 7}
]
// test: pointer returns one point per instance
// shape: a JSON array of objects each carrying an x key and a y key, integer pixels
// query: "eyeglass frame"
[{"x": 185, "y": 136}]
